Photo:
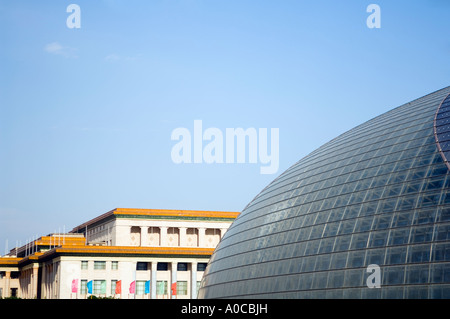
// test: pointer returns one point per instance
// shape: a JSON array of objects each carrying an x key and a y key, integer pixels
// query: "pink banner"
[
  {"x": 132, "y": 287},
  {"x": 75, "y": 285}
]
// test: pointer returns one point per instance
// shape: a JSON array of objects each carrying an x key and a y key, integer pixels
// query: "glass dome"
[{"x": 377, "y": 194}]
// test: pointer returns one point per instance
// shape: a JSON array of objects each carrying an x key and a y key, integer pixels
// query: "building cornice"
[
  {"x": 108, "y": 251},
  {"x": 127, "y": 251},
  {"x": 167, "y": 214}
]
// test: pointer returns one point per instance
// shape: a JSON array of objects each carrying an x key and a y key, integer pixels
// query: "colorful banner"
[
  {"x": 133, "y": 287},
  {"x": 118, "y": 290},
  {"x": 147, "y": 287},
  {"x": 75, "y": 285},
  {"x": 89, "y": 287},
  {"x": 174, "y": 288}
]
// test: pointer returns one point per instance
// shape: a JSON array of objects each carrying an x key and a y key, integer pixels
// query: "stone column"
[
  {"x": 194, "y": 280},
  {"x": 174, "y": 278},
  {"x": 201, "y": 237},
  {"x": 144, "y": 235},
  {"x": 183, "y": 238},
  {"x": 163, "y": 236},
  {"x": 7, "y": 292},
  {"x": 35, "y": 281},
  {"x": 153, "y": 281}
]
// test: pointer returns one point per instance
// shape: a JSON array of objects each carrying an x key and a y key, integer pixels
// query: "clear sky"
[{"x": 86, "y": 114}]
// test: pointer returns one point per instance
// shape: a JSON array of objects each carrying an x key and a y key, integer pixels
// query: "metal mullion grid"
[
  {"x": 297, "y": 177},
  {"x": 326, "y": 222},
  {"x": 259, "y": 200}
]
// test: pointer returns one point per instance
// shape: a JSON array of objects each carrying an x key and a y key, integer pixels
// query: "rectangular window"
[
  {"x": 83, "y": 287},
  {"x": 162, "y": 267},
  {"x": 421, "y": 234},
  {"x": 182, "y": 267},
  {"x": 141, "y": 266},
  {"x": 161, "y": 287},
  {"x": 201, "y": 266},
  {"x": 114, "y": 265},
  {"x": 359, "y": 241},
  {"x": 339, "y": 260},
  {"x": 440, "y": 273},
  {"x": 393, "y": 275},
  {"x": 113, "y": 287},
  {"x": 396, "y": 255},
  {"x": 326, "y": 245},
  {"x": 84, "y": 265},
  {"x": 99, "y": 287},
  {"x": 342, "y": 243},
  {"x": 441, "y": 252},
  {"x": 335, "y": 279},
  {"x": 417, "y": 274},
  {"x": 375, "y": 256},
  {"x": 356, "y": 259},
  {"x": 378, "y": 238},
  {"x": 419, "y": 253},
  {"x": 140, "y": 287},
  {"x": 399, "y": 236},
  {"x": 99, "y": 265},
  {"x": 182, "y": 288}
]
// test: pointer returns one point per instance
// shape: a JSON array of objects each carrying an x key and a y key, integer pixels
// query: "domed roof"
[{"x": 376, "y": 195}]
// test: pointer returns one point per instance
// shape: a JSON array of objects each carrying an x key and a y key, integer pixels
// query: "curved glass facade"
[{"x": 377, "y": 194}]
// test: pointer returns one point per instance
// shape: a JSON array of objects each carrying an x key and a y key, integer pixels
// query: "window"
[
  {"x": 319, "y": 280},
  {"x": 419, "y": 253},
  {"x": 339, "y": 260},
  {"x": 83, "y": 287},
  {"x": 114, "y": 265},
  {"x": 201, "y": 266},
  {"x": 396, "y": 255},
  {"x": 113, "y": 287},
  {"x": 140, "y": 287},
  {"x": 356, "y": 259},
  {"x": 359, "y": 241},
  {"x": 99, "y": 265},
  {"x": 382, "y": 221},
  {"x": 162, "y": 267},
  {"x": 440, "y": 273},
  {"x": 141, "y": 266},
  {"x": 424, "y": 217},
  {"x": 99, "y": 287},
  {"x": 378, "y": 238},
  {"x": 182, "y": 288},
  {"x": 84, "y": 264},
  {"x": 441, "y": 252},
  {"x": 375, "y": 256},
  {"x": 336, "y": 279},
  {"x": 393, "y": 275},
  {"x": 417, "y": 274},
  {"x": 326, "y": 245},
  {"x": 342, "y": 243},
  {"x": 331, "y": 229},
  {"x": 353, "y": 278},
  {"x": 161, "y": 287},
  {"x": 421, "y": 234},
  {"x": 182, "y": 267}
]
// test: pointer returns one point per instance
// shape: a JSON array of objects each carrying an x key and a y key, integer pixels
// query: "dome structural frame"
[{"x": 378, "y": 194}]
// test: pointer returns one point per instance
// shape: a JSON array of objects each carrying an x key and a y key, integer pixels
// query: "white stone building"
[{"x": 124, "y": 253}]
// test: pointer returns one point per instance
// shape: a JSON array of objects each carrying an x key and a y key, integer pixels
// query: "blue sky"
[{"x": 86, "y": 114}]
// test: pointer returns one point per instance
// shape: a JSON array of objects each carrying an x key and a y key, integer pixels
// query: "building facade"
[
  {"x": 367, "y": 215},
  {"x": 124, "y": 253}
]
